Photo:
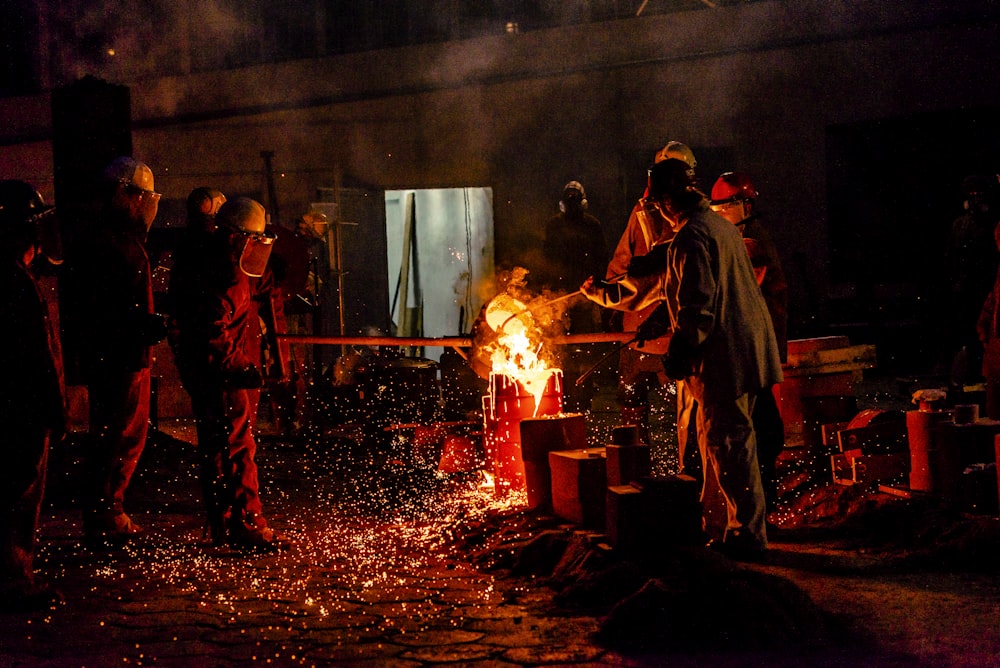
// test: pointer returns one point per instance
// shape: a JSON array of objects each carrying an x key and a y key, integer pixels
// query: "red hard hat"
[{"x": 733, "y": 186}]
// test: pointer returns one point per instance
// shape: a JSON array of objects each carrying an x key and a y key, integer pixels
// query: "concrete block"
[
  {"x": 627, "y": 463},
  {"x": 579, "y": 485},
  {"x": 542, "y": 435},
  {"x": 627, "y": 518},
  {"x": 674, "y": 509},
  {"x": 539, "y": 437}
]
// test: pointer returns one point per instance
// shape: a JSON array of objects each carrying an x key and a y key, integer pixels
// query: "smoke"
[{"x": 123, "y": 41}]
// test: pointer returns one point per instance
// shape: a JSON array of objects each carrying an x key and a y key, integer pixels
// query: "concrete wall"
[{"x": 751, "y": 87}]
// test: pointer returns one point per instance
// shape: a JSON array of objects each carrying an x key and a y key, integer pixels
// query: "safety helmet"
[
  {"x": 25, "y": 219},
  {"x": 245, "y": 219},
  {"x": 202, "y": 205},
  {"x": 678, "y": 151},
  {"x": 671, "y": 178},
  {"x": 574, "y": 189},
  {"x": 204, "y": 201},
  {"x": 21, "y": 204},
  {"x": 733, "y": 197},
  {"x": 978, "y": 193},
  {"x": 133, "y": 179},
  {"x": 733, "y": 186},
  {"x": 316, "y": 218},
  {"x": 130, "y": 172},
  {"x": 315, "y": 223}
]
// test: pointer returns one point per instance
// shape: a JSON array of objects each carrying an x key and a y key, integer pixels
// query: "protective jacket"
[
  {"x": 637, "y": 297},
  {"x": 721, "y": 325},
  {"x": 109, "y": 290},
  {"x": 31, "y": 387},
  {"x": 216, "y": 311}
]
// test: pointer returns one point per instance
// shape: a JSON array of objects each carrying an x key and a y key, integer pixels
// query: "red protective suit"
[
  {"x": 32, "y": 408},
  {"x": 109, "y": 321},
  {"x": 217, "y": 343}
]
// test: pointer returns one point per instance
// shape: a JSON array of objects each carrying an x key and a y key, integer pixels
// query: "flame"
[{"x": 518, "y": 349}]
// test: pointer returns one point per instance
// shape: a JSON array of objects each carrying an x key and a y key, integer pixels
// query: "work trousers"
[
  {"x": 119, "y": 425},
  {"x": 688, "y": 452},
  {"x": 22, "y": 484},
  {"x": 226, "y": 419},
  {"x": 728, "y": 445}
]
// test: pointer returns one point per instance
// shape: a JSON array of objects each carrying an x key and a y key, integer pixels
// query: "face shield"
[
  {"x": 246, "y": 223},
  {"x": 254, "y": 248},
  {"x": 146, "y": 202},
  {"x": 133, "y": 194},
  {"x": 733, "y": 210}
]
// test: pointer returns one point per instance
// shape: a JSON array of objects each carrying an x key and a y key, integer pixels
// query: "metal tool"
[
  {"x": 538, "y": 306},
  {"x": 584, "y": 376}
]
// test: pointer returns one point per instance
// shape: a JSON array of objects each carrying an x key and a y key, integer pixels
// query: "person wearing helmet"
[
  {"x": 640, "y": 368},
  {"x": 112, "y": 327},
  {"x": 312, "y": 229},
  {"x": 218, "y": 354},
  {"x": 185, "y": 285},
  {"x": 734, "y": 197},
  {"x": 573, "y": 249},
  {"x": 202, "y": 205},
  {"x": 32, "y": 400},
  {"x": 722, "y": 345},
  {"x": 678, "y": 150},
  {"x": 311, "y": 285},
  {"x": 971, "y": 262},
  {"x": 294, "y": 263}
]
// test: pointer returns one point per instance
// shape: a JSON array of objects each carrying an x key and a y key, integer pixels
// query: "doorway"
[{"x": 440, "y": 250}]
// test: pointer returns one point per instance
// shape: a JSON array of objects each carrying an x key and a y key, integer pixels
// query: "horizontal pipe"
[{"x": 447, "y": 341}]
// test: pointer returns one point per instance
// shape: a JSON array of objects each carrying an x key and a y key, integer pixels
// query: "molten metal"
[{"x": 522, "y": 385}]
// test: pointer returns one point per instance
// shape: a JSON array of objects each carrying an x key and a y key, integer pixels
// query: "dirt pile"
[{"x": 684, "y": 599}]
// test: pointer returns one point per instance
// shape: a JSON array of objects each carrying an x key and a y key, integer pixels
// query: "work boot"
[
  {"x": 252, "y": 533},
  {"x": 739, "y": 545},
  {"x": 215, "y": 527}
]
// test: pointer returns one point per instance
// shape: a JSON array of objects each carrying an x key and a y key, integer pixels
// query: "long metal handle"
[
  {"x": 584, "y": 376},
  {"x": 537, "y": 306}
]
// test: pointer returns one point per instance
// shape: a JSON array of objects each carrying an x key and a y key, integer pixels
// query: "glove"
[
  {"x": 154, "y": 328},
  {"x": 652, "y": 263},
  {"x": 247, "y": 378},
  {"x": 653, "y": 327}
]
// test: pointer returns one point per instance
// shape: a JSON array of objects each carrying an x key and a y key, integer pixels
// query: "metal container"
[{"x": 503, "y": 409}]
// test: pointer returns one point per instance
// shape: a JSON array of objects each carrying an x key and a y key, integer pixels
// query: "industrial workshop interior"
[{"x": 492, "y": 409}]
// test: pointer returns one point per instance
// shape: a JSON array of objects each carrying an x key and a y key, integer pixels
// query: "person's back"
[
  {"x": 200, "y": 269},
  {"x": 737, "y": 345},
  {"x": 723, "y": 346}
]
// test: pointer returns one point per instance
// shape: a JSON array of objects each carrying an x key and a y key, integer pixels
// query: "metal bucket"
[{"x": 507, "y": 404}]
